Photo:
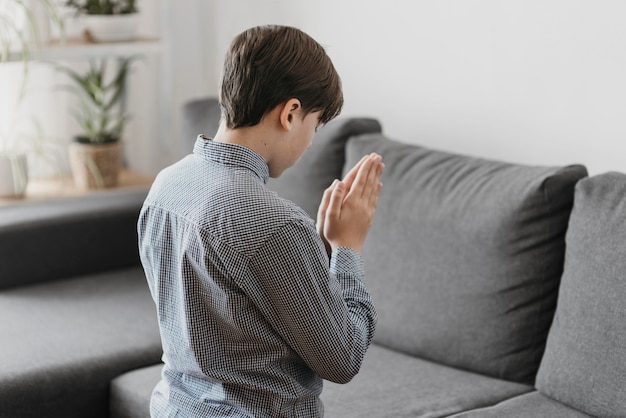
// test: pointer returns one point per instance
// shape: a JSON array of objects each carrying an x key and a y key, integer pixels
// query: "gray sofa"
[
  {"x": 74, "y": 308},
  {"x": 500, "y": 290}
]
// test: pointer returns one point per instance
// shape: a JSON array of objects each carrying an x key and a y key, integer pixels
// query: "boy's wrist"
[
  {"x": 346, "y": 260},
  {"x": 350, "y": 246}
]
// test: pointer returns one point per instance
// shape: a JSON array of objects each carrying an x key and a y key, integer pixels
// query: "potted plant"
[
  {"x": 19, "y": 43},
  {"x": 107, "y": 20},
  {"x": 95, "y": 154}
]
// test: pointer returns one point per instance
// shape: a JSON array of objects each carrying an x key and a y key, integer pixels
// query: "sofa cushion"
[
  {"x": 54, "y": 239},
  {"x": 62, "y": 343},
  {"x": 585, "y": 360},
  {"x": 465, "y": 256},
  {"x": 304, "y": 183},
  {"x": 390, "y": 384},
  {"x": 528, "y": 405},
  {"x": 131, "y": 392}
]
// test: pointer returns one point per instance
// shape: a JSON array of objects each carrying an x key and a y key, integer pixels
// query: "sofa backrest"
[
  {"x": 49, "y": 240},
  {"x": 199, "y": 116},
  {"x": 465, "y": 256},
  {"x": 584, "y": 365}
]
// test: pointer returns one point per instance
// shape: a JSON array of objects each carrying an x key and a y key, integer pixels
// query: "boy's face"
[{"x": 298, "y": 141}]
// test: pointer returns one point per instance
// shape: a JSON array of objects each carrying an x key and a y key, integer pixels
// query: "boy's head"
[{"x": 266, "y": 66}]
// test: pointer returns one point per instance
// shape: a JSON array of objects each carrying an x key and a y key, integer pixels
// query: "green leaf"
[{"x": 99, "y": 99}]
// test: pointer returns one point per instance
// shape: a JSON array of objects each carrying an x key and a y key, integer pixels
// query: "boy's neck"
[
  {"x": 254, "y": 137},
  {"x": 275, "y": 138}
]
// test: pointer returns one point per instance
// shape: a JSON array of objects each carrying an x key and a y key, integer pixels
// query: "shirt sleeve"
[{"x": 323, "y": 312}]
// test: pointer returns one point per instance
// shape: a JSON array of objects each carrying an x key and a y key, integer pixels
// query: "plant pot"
[
  {"x": 95, "y": 166},
  {"x": 13, "y": 175},
  {"x": 111, "y": 28}
]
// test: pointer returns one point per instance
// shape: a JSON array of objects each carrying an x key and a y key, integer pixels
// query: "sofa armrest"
[{"x": 49, "y": 240}]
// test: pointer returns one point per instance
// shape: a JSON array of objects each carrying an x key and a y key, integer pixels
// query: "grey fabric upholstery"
[
  {"x": 530, "y": 405},
  {"x": 130, "y": 392},
  {"x": 585, "y": 360},
  {"x": 199, "y": 116},
  {"x": 304, "y": 183},
  {"x": 392, "y": 384},
  {"x": 465, "y": 256},
  {"x": 63, "y": 342},
  {"x": 89, "y": 234}
]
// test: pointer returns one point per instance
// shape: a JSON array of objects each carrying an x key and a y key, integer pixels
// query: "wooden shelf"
[
  {"x": 79, "y": 48},
  {"x": 54, "y": 188}
]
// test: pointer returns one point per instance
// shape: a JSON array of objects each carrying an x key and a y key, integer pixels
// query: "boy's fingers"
[
  {"x": 349, "y": 178},
  {"x": 336, "y": 200},
  {"x": 373, "y": 179},
  {"x": 379, "y": 185},
  {"x": 374, "y": 196},
  {"x": 326, "y": 197},
  {"x": 363, "y": 177}
]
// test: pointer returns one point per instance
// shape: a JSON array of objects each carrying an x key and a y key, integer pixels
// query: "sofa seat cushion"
[
  {"x": 131, "y": 392},
  {"x": 62, "y": 342},
  {"x": 390, "y": 384},
  {"x": 585, "y": 360},
  {"x": 529, "y": 405},
  {"x": 465, "y": 256}
]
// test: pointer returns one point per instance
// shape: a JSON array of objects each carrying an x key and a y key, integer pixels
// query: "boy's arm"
[{"x": 325, "y": 315}]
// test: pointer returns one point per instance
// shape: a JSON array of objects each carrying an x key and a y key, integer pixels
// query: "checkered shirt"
[{"x": 252, "y": 313}]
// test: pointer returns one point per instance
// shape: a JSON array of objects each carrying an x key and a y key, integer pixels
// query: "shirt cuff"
[{"x": 345, "y": 261}]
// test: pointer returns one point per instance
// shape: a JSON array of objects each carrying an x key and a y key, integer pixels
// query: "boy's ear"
[{"x": 289, "y": 111}]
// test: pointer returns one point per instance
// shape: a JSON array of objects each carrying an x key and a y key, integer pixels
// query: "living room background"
[{"x": 529, "y": 81}]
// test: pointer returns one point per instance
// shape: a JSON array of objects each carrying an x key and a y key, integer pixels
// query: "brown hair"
[{"x": 268, "y": 65}]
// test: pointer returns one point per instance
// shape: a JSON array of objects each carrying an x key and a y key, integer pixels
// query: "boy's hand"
[
  {"x": 321, "y": 215},
  {"x": 347, "y": 210},
  {"x": 321, "y": 212}
]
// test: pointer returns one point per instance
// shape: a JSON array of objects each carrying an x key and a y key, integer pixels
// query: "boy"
[{"x": 252, "y": 317}]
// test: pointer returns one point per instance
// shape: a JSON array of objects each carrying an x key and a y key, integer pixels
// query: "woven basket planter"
[{"x": 95, "y": 166}]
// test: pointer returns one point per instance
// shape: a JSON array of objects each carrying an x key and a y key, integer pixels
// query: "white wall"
[
  {"x": 186, "y": 72},
  {"x": 529, "y": 81}
]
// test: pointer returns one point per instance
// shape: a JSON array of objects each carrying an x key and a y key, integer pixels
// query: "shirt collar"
[{"x": 231, "y": 154}]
